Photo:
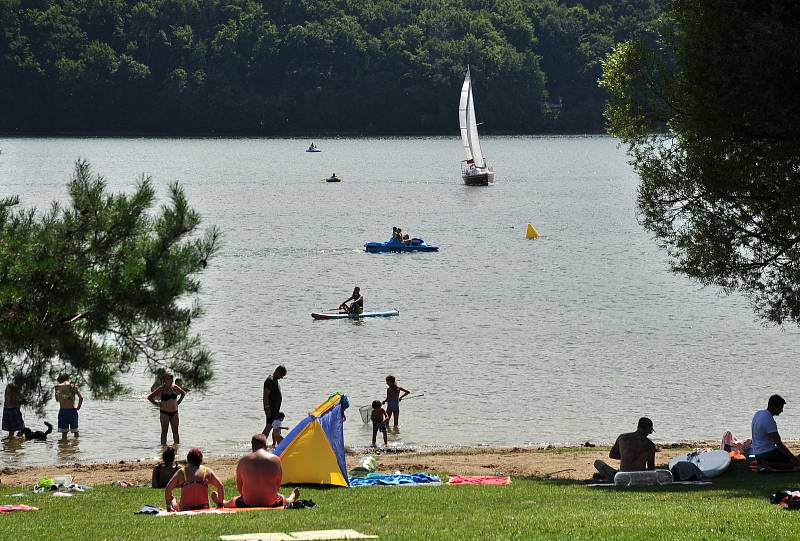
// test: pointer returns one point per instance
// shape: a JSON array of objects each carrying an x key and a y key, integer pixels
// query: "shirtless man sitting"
[
  {"x": 634, "y": 450},
  {"x": 258, "y": 478}
]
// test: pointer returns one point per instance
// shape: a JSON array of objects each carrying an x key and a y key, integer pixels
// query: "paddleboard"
[
  {"x": 344, "y": 315},
  {"x": 711, "y": 463}
]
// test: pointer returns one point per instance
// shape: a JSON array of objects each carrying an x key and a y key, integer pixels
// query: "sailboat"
[{"x": 474, "y": 170}]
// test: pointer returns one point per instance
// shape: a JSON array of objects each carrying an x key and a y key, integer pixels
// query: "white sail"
[
  {"x": 469, "y": 125},
  {"x": 462, "y": 114}
]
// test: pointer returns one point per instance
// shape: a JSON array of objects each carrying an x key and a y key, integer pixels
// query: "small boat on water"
[
  {"x": 333, "y": 178},
  {"x": 348, "y": 315},
  {"x": 313, "y": 148},
  {"x": 396, "y": 245},
  {"x": 474, "y": 170}
]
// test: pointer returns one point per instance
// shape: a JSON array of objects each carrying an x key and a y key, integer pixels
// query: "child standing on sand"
[
  {"x": 393, "y": 398},
  {"x": 65, "y": 393},
  {"x": 276, "y": 428},
  {"x": 379, "y": 420}
]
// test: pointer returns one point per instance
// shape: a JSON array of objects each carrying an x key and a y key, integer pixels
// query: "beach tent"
[{"x": 313, "y": 451}]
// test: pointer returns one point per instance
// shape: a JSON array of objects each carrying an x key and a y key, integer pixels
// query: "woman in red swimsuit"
[{"x": 193, "y": 480}]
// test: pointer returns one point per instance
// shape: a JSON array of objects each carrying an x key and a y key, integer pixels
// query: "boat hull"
[
  {"x": 333, "y": 179},
  {"x": 345, "y": 315},
  {"x": 479, "y": 179},
  {"x": 416, "y": 245}
]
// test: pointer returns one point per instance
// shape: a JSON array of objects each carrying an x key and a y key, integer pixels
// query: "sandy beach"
[{"x": 552, "y": 462}]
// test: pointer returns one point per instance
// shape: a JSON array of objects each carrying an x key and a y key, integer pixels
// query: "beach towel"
[
  {"x": 215, "y": 511},
  {"x": 153, "y": 510},
  {"x": 12, "y": 508},
  {"x": 311, "y": 535},
  {"x": 395, "y": 479},
  {"x": 479, "y": 480}
]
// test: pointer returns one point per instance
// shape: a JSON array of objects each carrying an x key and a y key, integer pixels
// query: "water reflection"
[
  {"x": 68, "y": 450},
  {"x": 12, "y": 444}
]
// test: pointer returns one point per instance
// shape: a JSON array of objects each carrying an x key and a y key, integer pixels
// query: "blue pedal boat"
[{"x": 396, "y": 245}]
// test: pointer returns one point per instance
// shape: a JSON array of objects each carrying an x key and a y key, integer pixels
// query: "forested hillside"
[{"x": 275, "y": 67}]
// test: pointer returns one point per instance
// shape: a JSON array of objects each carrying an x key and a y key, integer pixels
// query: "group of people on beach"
[
  {"x": 70, "y": 401},
  {"x": 259, "y": 475},
  {"x": 167, "y": 394},
  {"x": 636, "y": 452}
]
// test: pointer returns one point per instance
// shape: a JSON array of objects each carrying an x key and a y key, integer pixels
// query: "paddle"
[{"x": 365, "y": 410}]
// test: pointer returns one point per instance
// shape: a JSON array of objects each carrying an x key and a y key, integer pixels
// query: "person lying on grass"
[
  {"x": 634, "y": 450},
  {"x": 258, "y": 479},
  {"x": 193, "y": 480}
]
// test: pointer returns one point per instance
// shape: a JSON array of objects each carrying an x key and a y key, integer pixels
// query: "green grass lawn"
[{"x": 735, "y": 507}]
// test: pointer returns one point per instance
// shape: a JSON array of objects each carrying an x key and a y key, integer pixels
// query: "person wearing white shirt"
[{"x": 767, "y": 445}]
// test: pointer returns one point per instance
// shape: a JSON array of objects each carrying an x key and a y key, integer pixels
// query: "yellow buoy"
[{"x": 532, "y": 233}]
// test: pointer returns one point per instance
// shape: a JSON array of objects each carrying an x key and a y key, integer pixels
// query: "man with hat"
[
  {"x": 634, "y": 450},
  {"x": 767, "y": 444}
]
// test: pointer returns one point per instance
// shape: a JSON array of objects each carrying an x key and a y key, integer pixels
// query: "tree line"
[{"x": 304, "y": 67}]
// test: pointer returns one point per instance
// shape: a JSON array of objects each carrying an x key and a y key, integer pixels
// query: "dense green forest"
[{"x": 282, "y": 67}]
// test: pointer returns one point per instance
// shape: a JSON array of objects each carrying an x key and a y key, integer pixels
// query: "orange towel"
[{"x": 479, "y": 480}]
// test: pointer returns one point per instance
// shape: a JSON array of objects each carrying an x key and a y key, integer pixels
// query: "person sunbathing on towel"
[
  {"x": 258, "y": 479},
  {"x": 634, "y": 450},
  {"x": 193, "y": 480}
]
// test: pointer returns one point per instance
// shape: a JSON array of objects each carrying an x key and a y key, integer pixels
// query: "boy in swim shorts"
[
  {"x": 65, "y": 393},
  {"x": 276, "y": 429},
  {"x": 379, "y": 420}
]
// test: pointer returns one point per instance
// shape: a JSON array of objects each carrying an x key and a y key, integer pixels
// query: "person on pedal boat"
[{"x": 357, "y": 304}]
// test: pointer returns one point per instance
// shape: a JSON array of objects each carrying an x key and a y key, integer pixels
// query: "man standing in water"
[
  {"x": 12, "y": 415},
  {"x": 272, "y": 397},
  {"x": 258, "y": 478},
  {"x": 634, "y": 450},
  {"x": 65, "y": 393}
]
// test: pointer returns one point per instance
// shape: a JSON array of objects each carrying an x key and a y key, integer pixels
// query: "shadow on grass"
[{"x": 737, "y": 482}]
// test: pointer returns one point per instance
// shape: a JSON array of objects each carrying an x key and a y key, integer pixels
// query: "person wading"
[{"x": 272, "y": 397}]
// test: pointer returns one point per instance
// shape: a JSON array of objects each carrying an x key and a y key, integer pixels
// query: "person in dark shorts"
[
  {"x": 768, "y": 447},
  {"x": 634, "y": 450},
  {"x": 272, "y": 397},
  {"x": 65, "y": 394},
  {"x": 13, "y": 423},
  {"x": 379, "y": 420}
]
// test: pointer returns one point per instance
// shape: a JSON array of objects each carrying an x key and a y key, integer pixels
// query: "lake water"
[{"x": 567, "y": 338}]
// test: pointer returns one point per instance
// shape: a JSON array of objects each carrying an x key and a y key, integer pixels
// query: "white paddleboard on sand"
[{"x": 711, "y": 463}]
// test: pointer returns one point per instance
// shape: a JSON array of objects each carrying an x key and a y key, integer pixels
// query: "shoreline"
[{"x": 550, "y": 462}]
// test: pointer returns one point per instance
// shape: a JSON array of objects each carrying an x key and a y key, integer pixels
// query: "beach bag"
[{"x": 687, "y": 471}]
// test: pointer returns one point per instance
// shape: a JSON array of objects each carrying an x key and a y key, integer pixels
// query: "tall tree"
[
  {"x": 97, "y": 286},
  {"x": 721, "y": 189}
]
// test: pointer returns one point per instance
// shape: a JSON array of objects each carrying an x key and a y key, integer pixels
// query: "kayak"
[
  {"x": 345, "y": 315},
  {"x": 394, "y": 245}
]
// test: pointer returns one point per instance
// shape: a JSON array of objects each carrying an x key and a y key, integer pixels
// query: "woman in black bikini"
[{"x": 169, "y": 396}]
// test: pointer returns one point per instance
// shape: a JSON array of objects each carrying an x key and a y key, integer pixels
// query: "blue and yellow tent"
[{"x": 313, "y": 451}]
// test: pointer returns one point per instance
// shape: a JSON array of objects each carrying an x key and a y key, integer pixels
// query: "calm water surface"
[{"x": 564, "y": 339}]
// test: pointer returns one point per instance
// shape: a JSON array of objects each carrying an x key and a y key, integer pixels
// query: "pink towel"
[
  {"x": 479, "y": 480},
  {"x": 10, "y": 508}
]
